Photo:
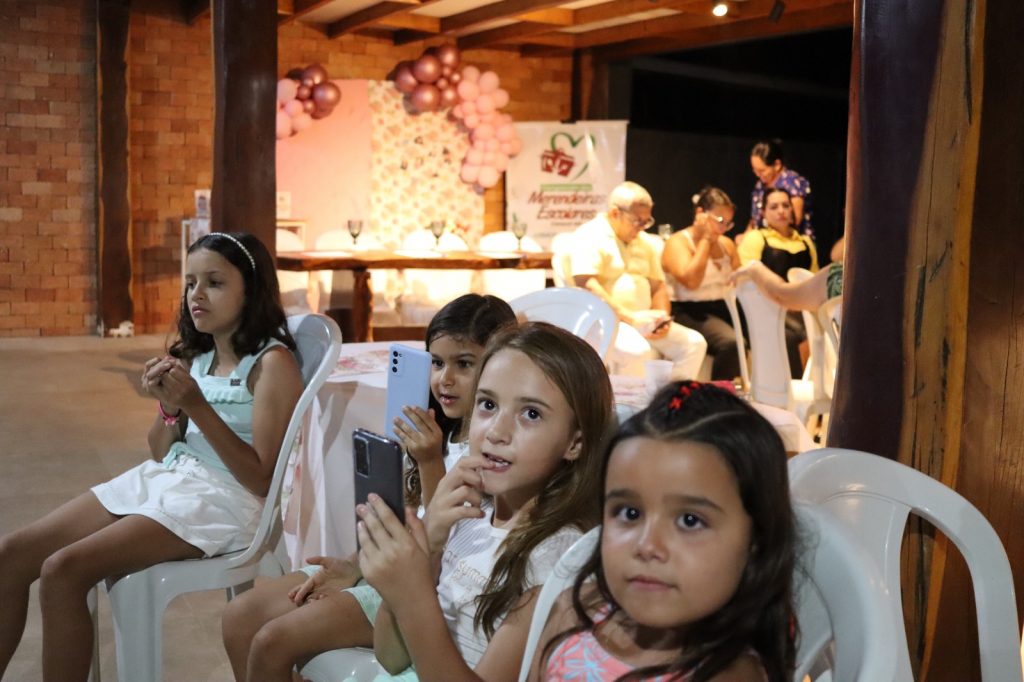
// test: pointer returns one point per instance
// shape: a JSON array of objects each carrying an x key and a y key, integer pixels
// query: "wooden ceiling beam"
[
  {"x": 835, "y": 15},
  {"x": 554, "y": 17},
  {"x": 414, "y": 22},
  {"x": 299, "y": 8},
  {"x": 620, "y": 8},
  {"x": 368, "y": 16},
  {"x": 503, "y": 9},
  {"x": 503, "y": 34}
]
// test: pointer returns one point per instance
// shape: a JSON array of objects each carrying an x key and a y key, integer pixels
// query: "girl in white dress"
[{"x": 225, "y": 393}]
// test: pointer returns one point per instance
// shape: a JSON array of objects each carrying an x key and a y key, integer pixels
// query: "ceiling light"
[
  {"x": 775, "y": 13},
  {"x": 720, "y": 9}
]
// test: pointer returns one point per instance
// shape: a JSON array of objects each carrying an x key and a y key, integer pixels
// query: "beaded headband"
[
  {"x": 252, "y": 261},
  {"x": 685, "y": 390}
]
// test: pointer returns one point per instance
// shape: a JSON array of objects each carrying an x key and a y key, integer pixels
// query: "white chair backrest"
[
  {"x": 830, "y": 316},
  {"x": 741, "y": 348},
  {"x": 817, "y": 370},
  {"x": 838, "y": 601},
  {"x": 574, "y": 309},
  {"x": 424, "y": 291},
  {"x": 765, "y": 321},
  {"x": 318, "y": 342},
  {"x": 508, "y": 283},
  {"x": 561, "y": 578},
  {"x": 874, "y": 496},
  {"x": 561, "y": 259},
  {"x": 294, "y": 285}
]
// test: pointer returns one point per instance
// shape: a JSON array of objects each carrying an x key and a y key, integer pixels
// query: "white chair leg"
[
  {"x": 137, "y": 628},
  {"x": 91, "y": 601}
]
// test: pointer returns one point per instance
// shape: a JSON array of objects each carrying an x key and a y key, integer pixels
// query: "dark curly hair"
[
  {"x": 759, "y": 615},
  {"x": 262, "y": 316}
]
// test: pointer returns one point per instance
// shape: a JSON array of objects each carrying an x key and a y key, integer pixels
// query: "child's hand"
[
  {"x": 422, "y": 440},
  {"x": 176, "y": 388},
  {"x": 337, "y": 574},
  {"x": 153, "y": 372},
  {"x": 457, "y": 497},
  {"x": 392, "y": 557}
]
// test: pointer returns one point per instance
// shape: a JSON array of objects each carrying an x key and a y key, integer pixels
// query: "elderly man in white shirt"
[{"x": 609, "y": 260}]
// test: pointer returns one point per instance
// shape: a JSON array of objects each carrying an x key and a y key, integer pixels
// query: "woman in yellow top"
[{"x": 780, "y": 247}]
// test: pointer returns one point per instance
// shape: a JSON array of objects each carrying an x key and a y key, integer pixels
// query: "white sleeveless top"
[{"x": 715, "y": 283}]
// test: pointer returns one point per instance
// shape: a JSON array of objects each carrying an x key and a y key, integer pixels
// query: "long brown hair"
[
  {"x": 571, "y": 497},
  {"x": 759, "y": 615}
]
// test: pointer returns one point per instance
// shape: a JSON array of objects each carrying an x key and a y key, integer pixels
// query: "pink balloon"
[
  {"x": 500, "y": 161},
  {"x": 449, "y": 97},
  {"x": 301, "y": 121},
  {"x": 505, "y": 132},
  {"x": 425, "y": 98},
  {"x": 489, "y": 81},
  {"x": 500, "y": 98},
  {"x": 471, "y": 73},
  {"x": 483, "y": 131},
  {"x": 515, "y": 146},
  {"x": 471, "y": 120},
  {"x": 505, "y": 148},
  {"x": 405, "y": 82},
  {"x": 284, "y": 125},
  {"x": 457, "y": 111},
  {"x": 448, "y": 55},
  {"x": 488, "y": 176},
  {"x": 474, "y": 157},
  {"x": 427, "y": 68},
  {"x": 468, "y": 90},
  {"x": 469, "y": 107},
  {"x": 293, "y": 108},
  {"x": 485, "y": 104},
  {"x": 481, "y": 145},
  {"x": 469, "y": 173},
  {"x": 488, "y": 159},
  {"x": 493, "y": 145},
  {"x": 286, "y": 88}
]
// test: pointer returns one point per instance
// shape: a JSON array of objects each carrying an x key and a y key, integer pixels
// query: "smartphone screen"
[{"x": 377, "y": 466}]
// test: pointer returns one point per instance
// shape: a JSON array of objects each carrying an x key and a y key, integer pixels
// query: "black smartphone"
[{"x": 378, "y": 468}]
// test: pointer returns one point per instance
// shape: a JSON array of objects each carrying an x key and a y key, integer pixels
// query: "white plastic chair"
[
  {"x": 574, "y": 309},
  {"x": 294, "y": 285},
  {"x": 821, "y": 366},
  {"x": 839, "y": 604},
  {"x": 874, "y": 496},
  {"x": 770, "y": 377},
  {"x": 335, "y": 286},
  {"x": 138, "y": 600},
  {"x": 343, "y": 665},
  {"x": 561, "y": 259},
  {"x": 424, "y": 292},
  {"x": 830, "y": 316},
  {"x": 509, "y": 283}
]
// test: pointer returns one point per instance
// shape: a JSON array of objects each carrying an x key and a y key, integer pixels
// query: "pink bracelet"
[{"x": 169, "y": 419}]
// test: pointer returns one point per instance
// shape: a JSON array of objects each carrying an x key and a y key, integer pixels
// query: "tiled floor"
[{"x": 71, "y": 416}]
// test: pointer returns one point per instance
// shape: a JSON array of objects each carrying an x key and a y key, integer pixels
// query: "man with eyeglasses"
[{"x": 611, "y": 260}]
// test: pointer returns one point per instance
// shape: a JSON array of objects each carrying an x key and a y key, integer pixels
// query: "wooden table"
[{"x": 361, "y": 262}]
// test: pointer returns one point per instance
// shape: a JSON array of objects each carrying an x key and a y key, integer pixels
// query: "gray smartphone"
[
  {"x": 408, "y": 383},
  {"x": 378, "y": 468}
]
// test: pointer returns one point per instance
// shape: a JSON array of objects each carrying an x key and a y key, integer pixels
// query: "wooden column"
[
  {"x": 114, "y": 220},
  {"x": 932, "y": 314},
  {"x": 245, "y": 82}
]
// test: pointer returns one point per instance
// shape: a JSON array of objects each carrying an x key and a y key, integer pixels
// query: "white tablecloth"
[{"x": 320, "y": 509}]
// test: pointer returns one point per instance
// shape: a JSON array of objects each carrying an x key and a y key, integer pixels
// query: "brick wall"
[{"x": 47, "y": 167}]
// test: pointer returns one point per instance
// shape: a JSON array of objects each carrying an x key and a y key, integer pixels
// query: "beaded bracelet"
[{"x": 169, "y": 419}]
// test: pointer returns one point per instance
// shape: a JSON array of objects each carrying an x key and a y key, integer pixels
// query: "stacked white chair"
[
  {"x": 424, "y": 291},
  {"x": 561, "y": 259},
  {"x": 575, "y": 310},
  {"x": 509, "y": 283},
  {"x": 841, "y": 609},
  {"x": 138, "y": 600},
  {"x": 294, "y": 285},
  {"x": 874, "y": 497}
]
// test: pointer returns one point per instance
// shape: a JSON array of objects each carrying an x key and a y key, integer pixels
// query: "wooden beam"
[
  {"x": 503, "y": 34},
  {"x": 554, "y": 17},
  {"x": 368, "y": 16},
  {"x": 832, "y": 16},
  {"x": 408, "y": 20},
  {"x": 502, "y": 9},
  {"x": 245, "y": 86},
  {"x": 619, "y": 8},
  {"x": 114, "y": 224},
  {"x": 299, "y": 8}
]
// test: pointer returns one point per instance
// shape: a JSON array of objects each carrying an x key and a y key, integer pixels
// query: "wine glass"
[
  {"x": 665, "y": 231},
  {"x": 437, "y": 229},
  {"x": 355, "y": 228},
  {"x": 519, "y": 231}
]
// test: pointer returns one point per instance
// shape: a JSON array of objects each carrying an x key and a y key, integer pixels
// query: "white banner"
[{"x": 563, "y": 175}]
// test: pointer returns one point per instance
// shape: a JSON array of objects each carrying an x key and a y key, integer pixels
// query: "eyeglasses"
[
  {"x": 636, "y": 221},
  {"x": 719, "y": 219}
]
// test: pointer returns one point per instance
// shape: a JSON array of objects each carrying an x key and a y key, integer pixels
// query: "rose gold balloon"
[
  {"x": 425, "y": 98},
  {"x": 427, "y": 68},
  {"x": 446, "y": 71},
  {"x": 405, "y": 82},
  {"x": 441, "y": 83},
  {"x": 455, "y": 78},
  {"x": 317, "y": 114},
  {"x": 449, "y": 55},
  {"x": 303, "y": 92},
  {"x": 309, "y": 106},
  {"x": 449, "y": 97},
  {"x": 326, "y": 95},
  {"x": 315, "y": 73}
]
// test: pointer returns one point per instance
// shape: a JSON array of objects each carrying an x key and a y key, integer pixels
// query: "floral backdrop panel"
[{"x": 415, "y": 171}]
